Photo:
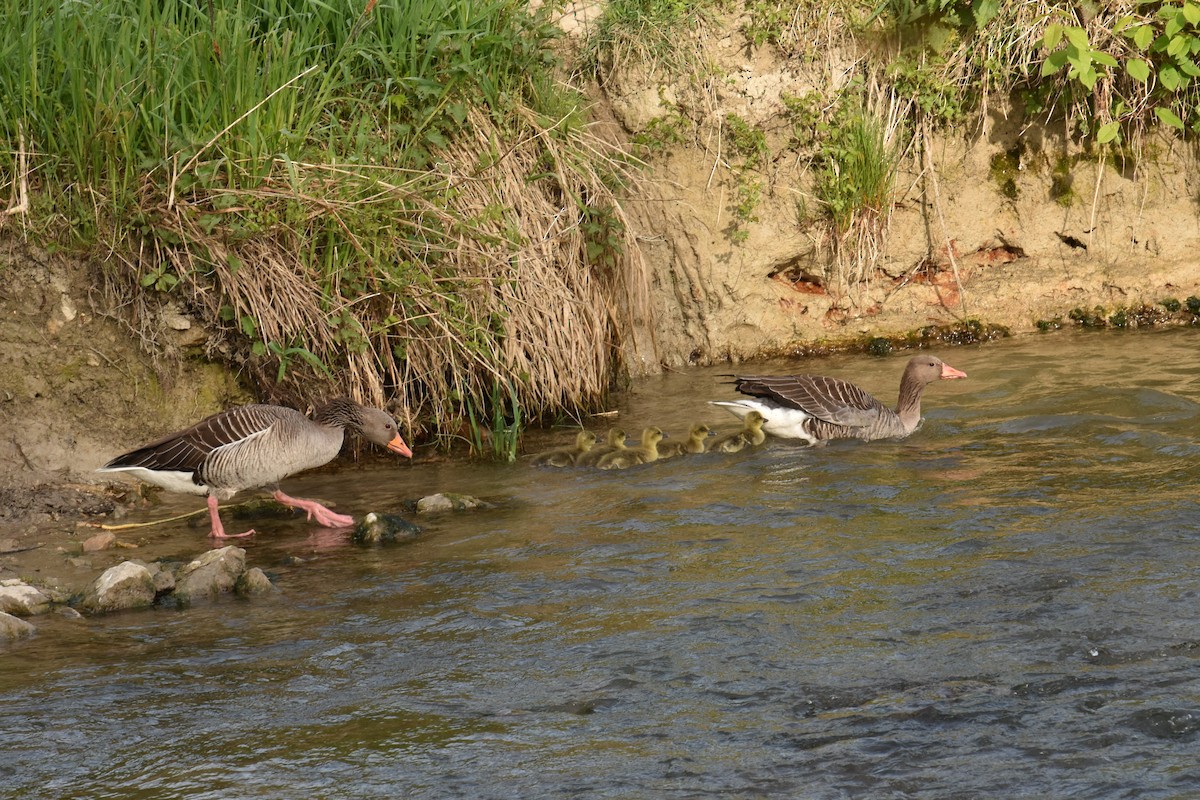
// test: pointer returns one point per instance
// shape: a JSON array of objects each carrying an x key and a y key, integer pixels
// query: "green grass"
[{"x": 354, "y": 192}]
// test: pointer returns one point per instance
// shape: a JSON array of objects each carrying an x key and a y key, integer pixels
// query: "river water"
[{"x": 1002, "y": 605}]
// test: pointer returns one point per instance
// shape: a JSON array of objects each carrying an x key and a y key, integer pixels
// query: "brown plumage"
[
  {"x": 696, "y": 443},
  {"x": 566, "y": 456},
  {"x": 644, "y": 453},
  {"x": 615, "y": 440},
  {"x": 257, "y": 445}
]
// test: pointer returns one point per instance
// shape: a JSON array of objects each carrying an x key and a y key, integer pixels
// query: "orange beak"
[
  {"x": 949, "y": 372},
  {"x": 397, "y": 445}
]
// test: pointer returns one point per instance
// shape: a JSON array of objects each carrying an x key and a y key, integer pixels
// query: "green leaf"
[
  {"x": 1167, "y": 117},
  {"x": 1168, "y": 76},
  {"x": 1174, "y": 25},
  {"x": 1052, "y": 36},
  {"x": 1138, "y": 69},
  {"x": 1178, "y": 45},
  {"x": 234, "y": 263},
  {"x": 1088, "y": 78},
  {"x": 1143, "y": 35},
  {"x": 1103, "y": 58},
  {"x": 1188, "y": 67},
  {"x": 984, "y": 11},
  {"x": 1054, "y": 63},
  {"x": 1078, "y": 37},
  {"x": 149, "y": 279},
  {"x": 258, "y": 349},
  {"x": 248, "y": 324},
  {"x": 1191, "y": 12},
  {"x": 1108, "y": 131}
]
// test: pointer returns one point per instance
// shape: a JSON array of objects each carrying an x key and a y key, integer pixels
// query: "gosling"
[
  {"x": 644, "y": 453},
  {"x": 697, "y": 442},
  {"x": 751, "y": 434},
  {"x": 566, "y": 456},
  {"x": 613, "y": 442}
]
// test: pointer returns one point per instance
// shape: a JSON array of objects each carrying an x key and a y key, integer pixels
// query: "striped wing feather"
[
  {"x": 187, "y": 450},
  {"x": 828, "y": 399}
]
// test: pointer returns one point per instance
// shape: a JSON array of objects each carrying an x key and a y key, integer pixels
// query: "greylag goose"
[
  {"x": 696, "y": 443},
  {"x": 644, "y": 453},
  {"x": 816, "y": 408},
  {"x": 566, "y": 456},
  {"x": 615, "y": 440},
  {"x": 751, "y": 435},
  {"x": 257, "y": 445}
]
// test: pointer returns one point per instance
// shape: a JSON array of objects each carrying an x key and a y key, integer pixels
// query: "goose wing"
[
  {"x": 829, "y": 399},
  {"x": 187, "y": 450}
]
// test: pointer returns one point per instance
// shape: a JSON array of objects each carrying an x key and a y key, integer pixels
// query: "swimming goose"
[
  {"x": 565, "y": 456},
  {"x": 696, "y": 443},
  {"x": 751, "y": 434},
  {"x": 816, "y": 408},
  {"x": 644, "y": 453},
  {"x": 615, "y": 440},
  {"x": 257, "y": 445}
]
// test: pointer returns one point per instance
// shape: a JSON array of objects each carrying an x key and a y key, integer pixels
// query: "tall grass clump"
[{"x": 391, "y": 197}]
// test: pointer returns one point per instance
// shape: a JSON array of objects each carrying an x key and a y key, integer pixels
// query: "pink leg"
[
  {"x": 315, "y": 510},
  {"x": 218, "y": 530}
]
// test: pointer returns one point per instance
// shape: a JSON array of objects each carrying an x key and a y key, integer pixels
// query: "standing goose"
[
  {"x": 696, "y": 443},
  {"x": 566, "y": 456},
  {"x": 615, "y": 440},
  {"x": 644, "y": 453},
  {"x": 751, "y": 435},
  {"x": 816, "y": 408},
  {"x": 257, "y": 445}
]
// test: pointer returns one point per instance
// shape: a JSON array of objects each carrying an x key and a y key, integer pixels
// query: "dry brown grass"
[{"x": 471, "y": 276}]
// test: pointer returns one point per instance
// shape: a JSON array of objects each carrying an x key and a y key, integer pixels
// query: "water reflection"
[{"x": 997, "y": 606}]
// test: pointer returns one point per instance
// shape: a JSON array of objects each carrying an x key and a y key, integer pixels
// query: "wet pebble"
[
  {"x": 127, "y": 585},
  {"x": 21, "y": 599},
  {"x": 216, "y": 572},
  {"x": 14, "y": 628},
  {"x": 253, "y": 581},
  {"x": 377, "y": 528},
  {"x": 101, "y": 541},
  {"x": 449, "y": 501}
]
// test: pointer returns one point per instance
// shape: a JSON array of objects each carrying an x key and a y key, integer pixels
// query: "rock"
[
  {"x": 66, "y": 612},
  {"x": 163, "y": 576},
  {"x": 127, "y": 585},
  {"x": 448, "y": 501},
  {"x": 14, "y": 628},
  {"x": 384, "y": 529},
  {"x": 215, "y": 572},
  {"x": 21, "y": 599},
  {"x": 253, "y": 581},
  {"x": 101, "y": 541}
]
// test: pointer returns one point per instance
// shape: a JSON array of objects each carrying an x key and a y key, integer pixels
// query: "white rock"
[
  {"x": 127, "y": 585},
  {"x": 13, "y": 627},
  {"x": 21, "y": 599}
]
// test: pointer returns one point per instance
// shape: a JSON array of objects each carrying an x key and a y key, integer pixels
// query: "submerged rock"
[
  {"x": 253, "y": 581},
  {"x": 127, "y": 585},
  {"x": 21, "y": 599},
  {"x": 449, "y": 501},
  {"x": 14, "y": 628},
  {"x": 215, "y": 572},
  {"x": 378, "y": 528},
  {"x": 101, "y": 541}
]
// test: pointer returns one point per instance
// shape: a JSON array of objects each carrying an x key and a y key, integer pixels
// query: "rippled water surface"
[{"x": 1002, "y": 605}]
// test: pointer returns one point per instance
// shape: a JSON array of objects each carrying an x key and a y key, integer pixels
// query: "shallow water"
[{"x": 1002, "y": 605}]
